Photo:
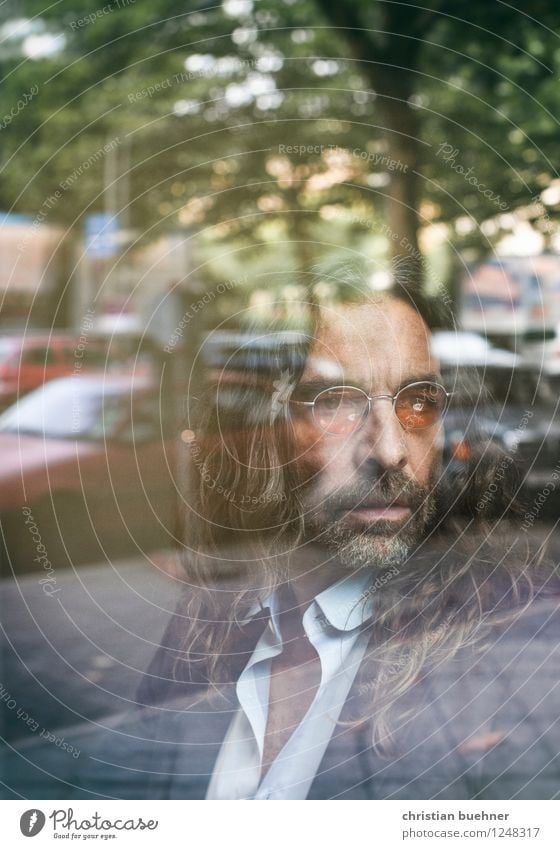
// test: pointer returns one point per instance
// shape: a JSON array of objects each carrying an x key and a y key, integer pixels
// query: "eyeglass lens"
[{"x": 342, "y": 410}]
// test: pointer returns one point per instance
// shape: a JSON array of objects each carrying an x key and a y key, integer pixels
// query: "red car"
[
  {"x": 86, "y": 472},
  {"x": 27, "y": 361}
]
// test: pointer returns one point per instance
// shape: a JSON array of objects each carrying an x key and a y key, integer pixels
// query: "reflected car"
[
  {"x": 511, "y": 413},
  {"x": 541, "y": 349},
  {"x": 86, "y": 472},
  {"x": 463, "y": 348},
  {"x": 29, "y": 360}
]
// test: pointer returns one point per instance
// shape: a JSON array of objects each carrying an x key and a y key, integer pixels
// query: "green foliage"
[{"x": 269, "y": 127}]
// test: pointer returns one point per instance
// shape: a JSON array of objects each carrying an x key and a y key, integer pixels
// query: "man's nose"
[{"x": 381, "y": 439}]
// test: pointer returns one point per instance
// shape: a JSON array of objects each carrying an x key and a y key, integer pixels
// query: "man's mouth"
[{"x": 377, "y": 512}]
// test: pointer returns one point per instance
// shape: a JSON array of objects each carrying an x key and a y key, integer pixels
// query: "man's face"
[{"x": 368, "y": 494}]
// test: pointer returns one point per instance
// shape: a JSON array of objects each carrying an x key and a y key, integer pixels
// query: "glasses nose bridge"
[
  {"x": 379, "y": 437},
  {"x": 369, "y": 410},
  {"x": 372, "y": 398}
]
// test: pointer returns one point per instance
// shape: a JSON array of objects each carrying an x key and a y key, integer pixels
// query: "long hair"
[{"x": 243, "y": 515}]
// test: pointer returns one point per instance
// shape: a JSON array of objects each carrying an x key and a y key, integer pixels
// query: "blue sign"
[{"x": 101, "y": 235}]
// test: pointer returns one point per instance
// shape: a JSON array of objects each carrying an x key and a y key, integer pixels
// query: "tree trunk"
[
  {"x": 401, "y": 131},
  {"x": 388, "y": 54}
]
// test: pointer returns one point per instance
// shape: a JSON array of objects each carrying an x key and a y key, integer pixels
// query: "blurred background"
[{"x": 167, "y": 170}]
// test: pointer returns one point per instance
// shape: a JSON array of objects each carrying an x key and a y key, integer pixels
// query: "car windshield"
[{"x": 65, "y": 409}]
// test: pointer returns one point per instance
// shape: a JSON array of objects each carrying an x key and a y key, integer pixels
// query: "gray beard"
[
  {"x": 365, "y": 551},
  {"x": 383, "y": 547}
]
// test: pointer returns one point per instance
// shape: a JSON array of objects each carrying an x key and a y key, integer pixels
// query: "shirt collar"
[
  {"x": 346, "y": 605},
  {"x": 266, "y": 609}
]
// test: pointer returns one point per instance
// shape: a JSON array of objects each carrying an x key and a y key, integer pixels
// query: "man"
[
  {"x": 331, "y": 645},
  {"x": 368, "y": 503},
  {"x": 344, "y": 632}
]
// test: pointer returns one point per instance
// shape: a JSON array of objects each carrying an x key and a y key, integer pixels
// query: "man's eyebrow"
[
  {"x": 432, "y": 377},
  {"x": 317, "y": 385}
]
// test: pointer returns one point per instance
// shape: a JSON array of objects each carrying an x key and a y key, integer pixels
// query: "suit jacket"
[{"x": 484, "y": 725}]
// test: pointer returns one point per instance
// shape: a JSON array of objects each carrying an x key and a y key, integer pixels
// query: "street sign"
[{"x": 101, "y": 232}]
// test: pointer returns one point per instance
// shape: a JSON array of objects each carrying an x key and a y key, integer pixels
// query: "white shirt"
[{"x": 334, "y": 624}]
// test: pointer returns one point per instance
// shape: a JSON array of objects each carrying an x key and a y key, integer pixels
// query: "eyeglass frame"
[{"x": 371, "y": 398}]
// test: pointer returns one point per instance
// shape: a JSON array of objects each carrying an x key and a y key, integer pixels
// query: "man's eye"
[
  {"x": 333, "y": 402},
  {"x": 418, "y": 402},
  {"x": 334, "y": 399}
]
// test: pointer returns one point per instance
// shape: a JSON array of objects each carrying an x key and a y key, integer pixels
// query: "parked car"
[
  {"x": 541, "y": 349},
  {"x": 86, "y": 472},
  {"x": 511, "y": 413},
  {"x": 31, "y": 359},
  {"x": 463, "y": 348}
]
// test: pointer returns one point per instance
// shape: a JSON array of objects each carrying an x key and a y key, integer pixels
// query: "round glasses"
[{"x": 341, "y": 410}]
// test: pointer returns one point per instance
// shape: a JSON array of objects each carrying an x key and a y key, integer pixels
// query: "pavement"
[{"x": 74, "y": 647}]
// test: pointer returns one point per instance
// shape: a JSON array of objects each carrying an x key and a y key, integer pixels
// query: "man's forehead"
[{"x": 369, "y": 342}]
